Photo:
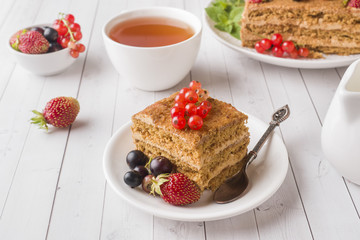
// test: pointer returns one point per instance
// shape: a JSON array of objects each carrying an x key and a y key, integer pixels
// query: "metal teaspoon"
[{"x": 233, "y": 187}]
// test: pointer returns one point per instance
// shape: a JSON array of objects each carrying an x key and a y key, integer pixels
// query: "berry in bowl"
[{"x": 48, "y": 49}]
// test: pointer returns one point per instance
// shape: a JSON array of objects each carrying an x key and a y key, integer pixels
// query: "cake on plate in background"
[{"x": 323, "y": 26}]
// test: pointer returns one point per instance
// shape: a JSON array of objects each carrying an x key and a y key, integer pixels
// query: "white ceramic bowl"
[
  {"x": 45, "y": 64},
  {"x": 154, "y": 68}
]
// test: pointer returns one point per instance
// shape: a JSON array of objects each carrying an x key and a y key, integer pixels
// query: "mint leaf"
[
  {"x": 221, "y": 27},
  {"x": 227, "y": 15},
  {"x": 236, "y": 14},
  {"x": 213, "y": 13},
  {"x": 236, "y": 31},
  {"x": 223, "y": 18}
]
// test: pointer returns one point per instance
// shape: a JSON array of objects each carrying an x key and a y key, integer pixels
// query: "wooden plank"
[
  {"x": 315, "y": 82},
  {"x": 120, "y": 219},
  {"x": 30, "y": 199},
  {"x": 13, "y": 16},
  {"x": 322, "y": 190},
  {"x": 14, "y": 100}
]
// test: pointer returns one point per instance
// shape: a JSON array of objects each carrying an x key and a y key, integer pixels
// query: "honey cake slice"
[
  {"x": 325, "y": 26},
  {"x": 207, "y": 156}
]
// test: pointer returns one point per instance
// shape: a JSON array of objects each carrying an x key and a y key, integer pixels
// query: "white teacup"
[{"x": 154, "y": 68}]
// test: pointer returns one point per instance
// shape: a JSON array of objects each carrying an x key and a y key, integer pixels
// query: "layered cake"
[
  {"x": 326, "y": 26},
  {"x": 207, "y": 156}
]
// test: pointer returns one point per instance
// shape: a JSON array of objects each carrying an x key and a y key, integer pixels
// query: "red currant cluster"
[
  {"x": 190, "y": 107},
  {"x": 280, "y": 48},
  {"x": 69, "y": 34}
]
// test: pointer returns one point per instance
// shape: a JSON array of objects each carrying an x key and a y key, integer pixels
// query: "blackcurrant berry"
[
  {"x": 37, "y": 29},
  {"x": 136, "y": 158},
  {"x": 141, "y": 170},
  {"x": 50, "y": 34},
  {"x": 133, "y": 179},
  {"x": 54, "y": 47},
  {"x": 160, "y": 165}
]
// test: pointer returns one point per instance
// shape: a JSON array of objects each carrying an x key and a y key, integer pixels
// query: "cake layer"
[
  {"x": 194, "y": 156},
  {"x": 322, "y": 26},
  {"x": 214, "y": 168},
  {"x": 336, "y": 43}
]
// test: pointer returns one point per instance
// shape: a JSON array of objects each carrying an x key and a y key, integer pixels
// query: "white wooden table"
[{"x": 52, "y": 184}]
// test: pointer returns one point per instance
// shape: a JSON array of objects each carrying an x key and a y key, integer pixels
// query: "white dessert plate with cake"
[
  {"x": 329, "y": 61},
  {"x": 266, "y": 175}
]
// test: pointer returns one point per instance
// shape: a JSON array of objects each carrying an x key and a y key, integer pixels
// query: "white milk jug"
[{"x": 340, "y": 135}]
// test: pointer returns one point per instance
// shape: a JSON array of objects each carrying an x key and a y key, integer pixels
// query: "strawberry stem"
[
  {"x": 157, "y": 182},
  {"x": 39, "y": 120}
]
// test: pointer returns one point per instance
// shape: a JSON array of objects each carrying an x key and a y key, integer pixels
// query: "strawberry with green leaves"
[
  {"x": 60, "y": 112},
  {"x": 176, "y": 189},
  {"x": 30, "y": 42},
  {"x": 15, "y": 39}
]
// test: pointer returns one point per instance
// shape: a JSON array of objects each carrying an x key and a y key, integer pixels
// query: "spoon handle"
[
  {"x": 264, "y": 137},
  {"x": 253, "y": 153}
]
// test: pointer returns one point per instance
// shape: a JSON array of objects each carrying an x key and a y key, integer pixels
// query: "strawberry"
[
  {"x": 59, "y": 112},
  {"x": 176, "y": 189},
  {"x": 354, "y": 3},
  {"x": 14, "y": 40},
  {"x": 255, "y": 1},
  {"x": 33, "y": 42}
]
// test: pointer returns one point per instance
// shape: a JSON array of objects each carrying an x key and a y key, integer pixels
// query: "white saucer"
[
  {"x": 330, "y": 61},
  {"x": 266, "y": 174}
]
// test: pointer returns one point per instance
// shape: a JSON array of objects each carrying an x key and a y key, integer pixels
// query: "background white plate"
[
  {"x": 265, "y": 178},
  {"x": 330, "y": 61}
]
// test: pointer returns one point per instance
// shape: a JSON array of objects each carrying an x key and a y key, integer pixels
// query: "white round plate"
[
  {"x": 330, "y": 61},
  {"x": 265, "y": 178}
]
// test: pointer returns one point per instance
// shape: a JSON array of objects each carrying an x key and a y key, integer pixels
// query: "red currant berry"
[
  {"x": 177, "y": 112},
  {"x": 288, "y": 46},
  {"x": 303, "y": 52},
  {"x": 58, "y": 22},
  {"x": 180, "y": 98},
  {"x": 59, "y": 39},
  {"x": 265, "y": 43},
  {"x": 190, "y": 109},
  {"x": 77, "y": 35},
  {"x": 294, "y": 54},
  {"x": 75, "y": 27},
  {"x": 202, "y": 94},
  {"x": 259, "y": 48},
  {"x": 74, "y": 53},
  {"x": 184, "y": 90},
  {"x": 207, "y": 104},
  {"x": 191, "y": 96},
  {"x": 72, "y": 45},
  {"x": 178, "y": 122},
  {"x": 64, "y": 42},
  {"x": 179, "y": 105},
  {"x": 195, "y": 122},
  {"x": 202, "y": 111},
  {"x": 80, "y": 47},
  {"x": 277, "y": 51},
  {"x": 195, "y": 85},
  {"x": 276, "y": 39},
  {"x": 61, "y": 29},
  {"x": 70, "y": 18}
]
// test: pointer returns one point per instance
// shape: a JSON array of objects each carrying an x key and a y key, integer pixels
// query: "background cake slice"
[
  {"x": 207, "y": 156},
  {"x": 325, "y": 26}
]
